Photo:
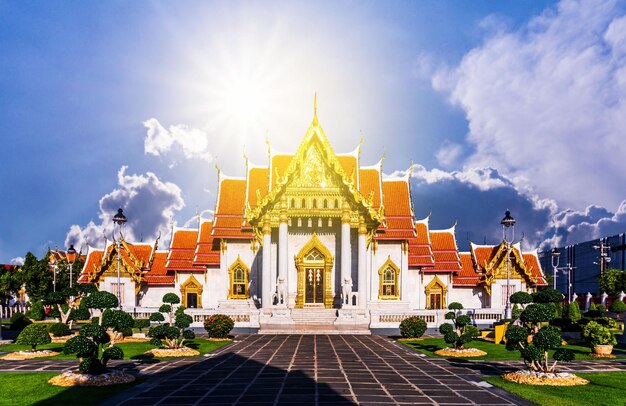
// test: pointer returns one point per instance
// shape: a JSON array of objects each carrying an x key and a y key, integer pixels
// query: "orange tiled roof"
[
  {"x": 445, "y": 251},
  {"x": 207, "y": 250},
  {"x": 396, "y": 198},
  {"x": 349, "y": 165},
  {"x": 182, "y": 250},
  {"x": 158, "y": 274},
  {"x": 94, "y": 257},
  {"x": 369, "y": 180},
  {"x": 280, "y": 163},
  {"x": 230, "y": 209},
  {"x": 258, "y": 179},
  {"x": 468, "y": 275},
  {"x": 532, "y": 263}
]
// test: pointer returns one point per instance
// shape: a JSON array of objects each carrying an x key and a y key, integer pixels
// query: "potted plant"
[{"x": 600, "y": 338}]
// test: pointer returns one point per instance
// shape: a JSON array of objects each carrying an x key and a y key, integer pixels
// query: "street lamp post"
[
  {"x": 555, "y": 265},
  {"x": 71, "y": 258},
  {"x": 54, "y": 277},
  {"x": 119, "y": 219},
  {"x": 508, "y": 222}
]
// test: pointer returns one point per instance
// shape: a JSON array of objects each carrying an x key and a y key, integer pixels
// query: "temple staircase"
[{"x": 312, "y": 319}]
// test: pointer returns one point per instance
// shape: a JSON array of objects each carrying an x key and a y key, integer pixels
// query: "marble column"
[
  {"x": 346, "y": 254},
  {"x": 362, "y": 270},
  {"x": 266, "y": 280},
  {"x": 283, "y": 255}
]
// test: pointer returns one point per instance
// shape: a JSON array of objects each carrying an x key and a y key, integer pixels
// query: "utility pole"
[{"x": 605, "y": 257}]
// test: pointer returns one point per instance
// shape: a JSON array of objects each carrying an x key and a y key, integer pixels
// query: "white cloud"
[
  {"x": 193, "y": 141},
  {"x": 449, "y": 153},
  {"x": 193, "y": 221},
  {"x": 17, "y": 261},
  {"x": 148, "y": 204},
  {"x": 547, "y": 103}
]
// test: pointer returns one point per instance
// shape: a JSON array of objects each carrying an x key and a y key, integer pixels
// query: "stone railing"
[
  {"x": 7, "y": 311},
  {"x": 242, "y": 318},
  {"x": 433, "y": 318}
]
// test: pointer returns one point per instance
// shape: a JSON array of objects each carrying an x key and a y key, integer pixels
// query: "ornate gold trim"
[
  {"x": 231, "y": 270},
  {"x": 191, "y": 285},
  {"x": 435, "y": 286},
  {"x": 389, "y": 264},
  {"x": 327, "y": 265},
  {"x": 492, "y": 268}
]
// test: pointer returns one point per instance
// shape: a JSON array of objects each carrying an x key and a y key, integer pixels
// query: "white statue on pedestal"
[
  {"x": 283, "y": 296},
  {"x": 346, "y": 291}
]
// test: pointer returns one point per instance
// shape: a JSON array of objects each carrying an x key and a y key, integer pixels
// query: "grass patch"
[
  {"x": 494, "y": 352},
  {"x": 605, "y": 388},
  {"x": 131, "y": 350},
  {"x": 27, "y": 388}
]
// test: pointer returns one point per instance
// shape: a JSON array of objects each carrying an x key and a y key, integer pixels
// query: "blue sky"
[{"x": 516, "y": 105}]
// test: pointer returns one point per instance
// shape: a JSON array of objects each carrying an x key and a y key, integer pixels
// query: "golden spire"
[{"x": 315, "y": 109}]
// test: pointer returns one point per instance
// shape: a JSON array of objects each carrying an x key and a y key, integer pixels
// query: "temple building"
[{"x": 313, "y": 238}]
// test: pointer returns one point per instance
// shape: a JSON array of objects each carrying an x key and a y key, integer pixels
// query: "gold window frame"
[
  {"x": 231, "y": 279},
  {"x": 389, "y": 264},
  {"x": 436, "y": 286},
  {"x": 191, "y": 285}
]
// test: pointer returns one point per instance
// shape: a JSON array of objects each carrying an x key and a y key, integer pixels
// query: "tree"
[
  {"x": 461, "y": 331},
  {"x": 66, "y": 300},
  {"x": 613, "y": 281},
  {"x": 535, "y": 351},
  {"x": 11, "y": 280},
  {"x": 34, "y": 335},
  {"x": 172, "y": 334},
  {"x": 115, "y": 322},
  {"x": 101, "y": 300},
  {"x": 63, "y": 273},
  {"x": 618, "y": 307},
  {"x": 574, "y": 312},
  {"x": 88, "y": 347},
  {"x": 37, "y": 277}
]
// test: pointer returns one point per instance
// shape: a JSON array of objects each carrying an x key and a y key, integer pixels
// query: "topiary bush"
[
  {"x": 60, "y": 330},
  {"x": 141, "y": 324},
  {"x": 157, "y": 317},
  {"x": 171, "y": 335},
  {"x": 189, "y": 335},
  {"x": 460, "y": 331},
  {"x": 521, "y": 297},
  {"x": 574, "y": 312},
  {"x": 88, "y": 347},
  {"x": 618, "y": 307},
  {"x": 19, "y": 321},
  {"x": 34, "y": 335},
  {"x": 36, "y": 312},
  {"x": 544, "y": 337},
  {"x": 548, "y": 295},
  {"x": 412, "y": 327},
  {"x": 218, "y": 325}
]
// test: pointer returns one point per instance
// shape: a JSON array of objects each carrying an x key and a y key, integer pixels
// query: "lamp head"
[
  {"x": 119, "y": 218},
  {"x": 508, "y": 220}
]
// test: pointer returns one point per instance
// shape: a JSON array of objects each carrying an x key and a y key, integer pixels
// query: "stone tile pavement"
[{"x": 313, "y": 370}]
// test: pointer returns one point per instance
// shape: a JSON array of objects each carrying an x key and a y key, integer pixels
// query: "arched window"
[
  {"x": 238, "y": 275},
  {"x": 303, "y": 204},
  {"x": 292, "y": 204},
  {"x": 325, "y": 203},
  {"x": 336, "y": 203},
  {"x": 191, "y": 293},
  {"x": 314, "y": 203},
  {"x": 389, "y": 276}
]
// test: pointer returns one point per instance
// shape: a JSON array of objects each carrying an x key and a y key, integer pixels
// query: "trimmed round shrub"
[
  {"x": 156, "y": 342},
  {"x": 548, "y": 295},
  {"x": 141, "y": 324},
  {"x": 189, "y": 335},
  {"x": 412, "y": 327},
  {"x": 574, "y": 312},
  {"x": 521, "y": 297},
  {"x": 171, "y": 298},
  {"x": 101, "y": 300},
  {"x": 548, "y": 337},
  {"x": 463, "y": 320},
  {"x": 81, "y": 313},
  {"x": 514, "y": 335},
  {"x": 183, "y": 321},
  {"x": 532, "y": 353},
  {"x": 597, "y": 334},
  {"x": 127, "y": 332},
  {"x": 516, "y": 312},
  {"x": 36, "y": 312},
  {"x": 445, "y": 328},
  {"x": 95, "y": 332},
  {"x": 471, "y": 331},
  {"x": 60, "y": 330},
  {"x": 34, "y": 335},
  {"x": 537, "y": 313},
  {"x": 563, "y": 355},
  {"x": 81, "y": 346},
  {"x": 450, "y": 315},
  {"x": 165, "y": 308},
  {"x": 180, "y": 310},
  {"x": 19, "y": 321},
  {"x": 91, "y": 365},
  {"x": 112, "y": 353},
  {"x": 163, "y": 331},
  {"x": 118, "y": 320},
  {"x": 618, "y": 307},
  {"x": 601, "y": 308},
  {"x": 455, "y": 306},
  {"x": 218, "y": 325},
  {"x": 157, "y": 317}
]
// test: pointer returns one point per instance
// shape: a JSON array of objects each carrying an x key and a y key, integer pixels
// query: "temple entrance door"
[
  {"x": 192, "y": 300},
  {"x": 314, "y": 291}
]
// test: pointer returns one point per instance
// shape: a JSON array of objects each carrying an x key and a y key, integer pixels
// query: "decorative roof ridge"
[
  {"x": 354, "y": 153},
  {"x": 395, "y": 178},
  {"x": 451, "y": 230},
  {"x": 376, "y": 166},
  {"x": 425, "y": 221},
  {"x": 252, "y": 165},
  {"x": 274, "y": 152},
  {"x": 228, "y": 177}
]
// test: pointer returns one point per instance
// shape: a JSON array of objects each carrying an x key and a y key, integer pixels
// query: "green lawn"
[
  {"x": 606, "y": 388},
  {"x": 131, "y": 350},
  {"x": 494, "y": 352},
  {"x": 28, "y": 388}
]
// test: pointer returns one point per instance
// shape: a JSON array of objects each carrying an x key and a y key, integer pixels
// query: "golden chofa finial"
[{"x": 315, "y": 108}]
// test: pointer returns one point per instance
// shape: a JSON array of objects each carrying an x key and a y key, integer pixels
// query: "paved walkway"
[{"x": 313, "y": 370}]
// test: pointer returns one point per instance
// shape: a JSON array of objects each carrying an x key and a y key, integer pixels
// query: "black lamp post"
[
  {"x": 119, "y": 219},
  {"x": 71, "y": 258},
  {"x": 508, "y": 222},
  {"x": 555, "y": 265}
]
